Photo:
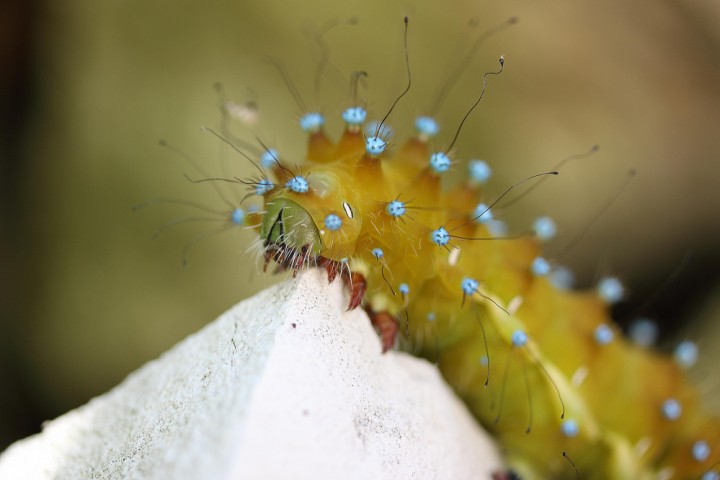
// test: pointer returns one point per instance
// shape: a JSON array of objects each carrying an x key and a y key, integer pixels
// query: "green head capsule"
[{"x": 287, "y": 224}]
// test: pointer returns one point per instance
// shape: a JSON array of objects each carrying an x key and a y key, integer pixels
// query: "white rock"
[{"x": 285, "y": 385}]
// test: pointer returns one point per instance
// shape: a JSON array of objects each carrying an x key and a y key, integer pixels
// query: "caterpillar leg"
[
  {"x": 357, "y": 285},
  {"x": 331, "y": 267},
  {"x": 287, "y": 258},
  {"x": 387, "y": 325},
  {"x": 355, "y": 282}
]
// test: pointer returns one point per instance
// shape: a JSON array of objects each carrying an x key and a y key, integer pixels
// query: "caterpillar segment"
[{"x": 543, "y": 368}]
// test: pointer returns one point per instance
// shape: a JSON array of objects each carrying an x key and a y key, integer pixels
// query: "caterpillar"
[{"x": 541, "y": 366}]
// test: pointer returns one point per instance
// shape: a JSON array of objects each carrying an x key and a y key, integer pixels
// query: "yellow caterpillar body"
[
  {"x": 541, "y": 366},
  {"x": 523, "y": 353}
]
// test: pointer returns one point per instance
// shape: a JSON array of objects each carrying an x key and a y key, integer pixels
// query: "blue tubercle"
[
  {"x": 603, "y": 334},
  {"x": 238, "y": 216},
  {"x": 378, "y": 253},
  {"x": 312, "y": 122},
  {"x": 440, "y": 162},
  {"x": 497, "y": 228},
  {"x": 570, "y": 428},
  {"x": 269, "y": 158},
  {"x": 263, "y": 187},
  {"x": 354, "y": 116},
  {"x": 333, "y": 222},
  {"x": 427, "y": 127},
  {"x": 375, "y": 145},
  {"x": 469, "y": 286},
  {"x": 440, "y": 237},
  {"x": 644, "y": 332},
  {"x": 671, "y": 409},
  {"x": 431, "y": 316},
  {"x": 686, "y": 353},
  {"x": 610, "y": 289},
  {"x": 540, "y": 267},
  {"x": 562, "y": 277},
  {"x": 701, "y": 451},
  {"x": 545, "y": 228},
  {"x": 297, "y": 184},
  {"x": 404, "y": 288},
  {"x": 480, "y": 171},
  {"x": 519, "y": 338},
  {"x": 482, "y": 213},
  {"x": 396, "y": 208}
]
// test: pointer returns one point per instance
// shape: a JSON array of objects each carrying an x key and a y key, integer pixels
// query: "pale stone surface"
[{"x": 284, "y": 385}]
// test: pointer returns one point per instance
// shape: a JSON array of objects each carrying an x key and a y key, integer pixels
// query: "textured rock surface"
[{"x": 284, "y": 385}]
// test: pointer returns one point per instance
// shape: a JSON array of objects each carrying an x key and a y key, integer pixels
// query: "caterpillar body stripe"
[{"x": 541, "y": 366}]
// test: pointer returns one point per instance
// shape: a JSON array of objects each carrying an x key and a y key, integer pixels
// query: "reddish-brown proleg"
[
  {"x": 331, "y": 267},
  {"x": 357, "y": 285},
  {"x": 286, "y": 258},
  {"x": 355, "y": 282},
  {"x": 387, "y": 326}
]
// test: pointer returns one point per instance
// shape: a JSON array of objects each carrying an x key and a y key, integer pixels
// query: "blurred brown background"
[{"x": 88, "y": 88}]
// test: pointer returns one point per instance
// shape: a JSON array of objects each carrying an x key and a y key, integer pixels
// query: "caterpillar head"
[
  {"x": 287, "y": 227},
  {"x": 319, "y": 222}
]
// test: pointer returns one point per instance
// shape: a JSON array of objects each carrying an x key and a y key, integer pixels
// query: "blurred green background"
[{"x": 88, "y": 89}]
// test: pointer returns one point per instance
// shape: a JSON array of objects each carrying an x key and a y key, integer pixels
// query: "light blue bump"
[
  {"x": 297, "y": 184},
  {"x": 570, "y": 428},
  {"x": 644, "y": 332},
  {"x": 484, "y": 361},
  {"x": 404, "y": 288},
  {"x": 519, "y": 338},
  {"x": 312, "y": 122},
  {"x": 603, "y": 334},
  {"x": 701, "y": 451},
  {"x": 497, "y": 228},
  {"x": 374, "y": 146},
  {"x": 469, "y": 286},
  {"x": 440, "y": 162},
  {"x": 686, "y": 353},
  {"x": 710, "y": 475},
  {"x": 545, "y": 228},
  {"x": 263, "y": 187},
  {"x": 562, "y": 277},
  {"x": 378, "y": 253},
  {"x": 354, "y": 116},
  {"x": 269, "y": 158},
  {"x": 671, "y": 409},
  {"x": 540, "y": 267},
  {"x": 482, "y": 214},
  {"x": 440, "y": 237},
  {"x": 427, "y": 126},
  {"x": 480, "y": 171},
  {"x": 333, "y": 222},
  {"x": 430, "y": 316},
  {"x": 396, "y": 208},
  {"x": 238, "y": 216},
  {"x": 344, "y": 260},
  {"x": 610, "y": 289}
]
